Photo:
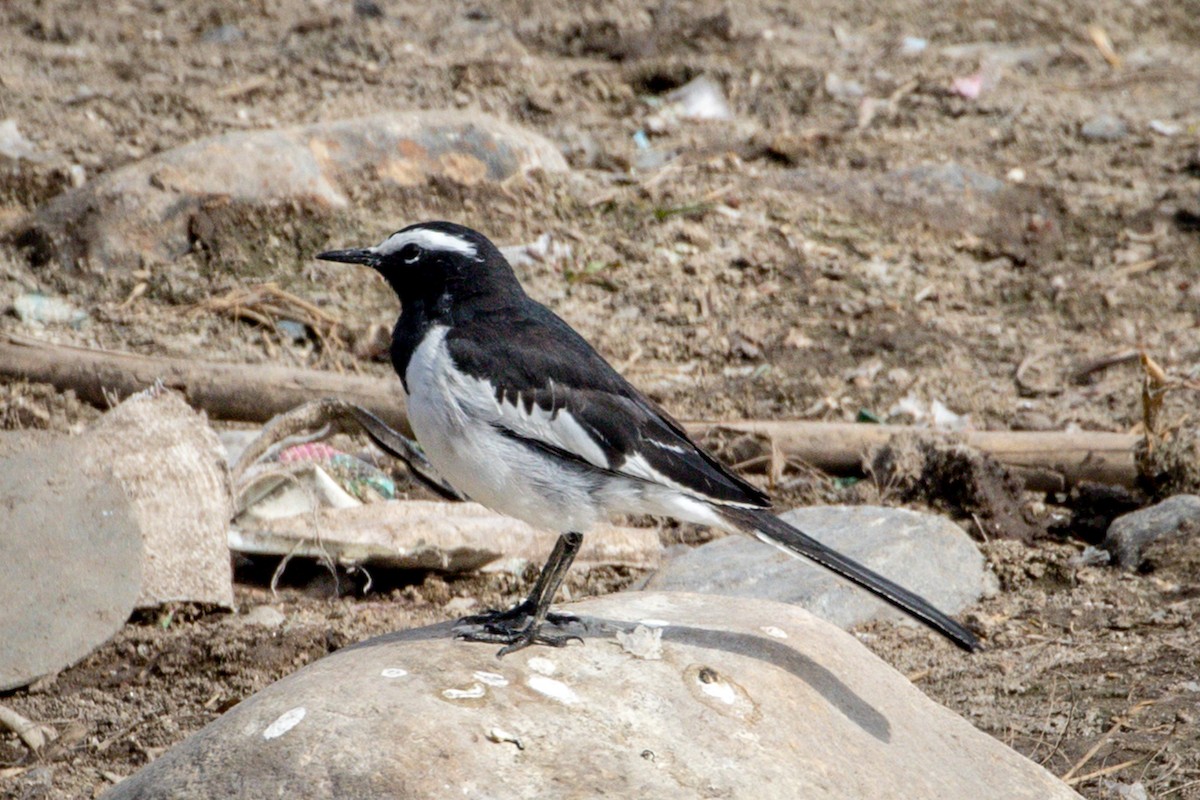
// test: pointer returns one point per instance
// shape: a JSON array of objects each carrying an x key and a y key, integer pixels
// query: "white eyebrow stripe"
[{"x": 427, "y": 240}]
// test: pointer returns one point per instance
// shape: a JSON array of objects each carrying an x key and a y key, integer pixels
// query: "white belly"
[{"x": 474, "y": 457}]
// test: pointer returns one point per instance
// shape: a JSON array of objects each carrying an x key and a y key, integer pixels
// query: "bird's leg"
[{"x": 521, "y": 625}]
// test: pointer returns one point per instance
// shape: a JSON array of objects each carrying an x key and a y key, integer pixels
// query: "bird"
[{"x": 516, "y": 411}]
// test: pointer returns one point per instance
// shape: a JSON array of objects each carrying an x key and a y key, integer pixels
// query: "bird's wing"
[{"x": 540, "y": 382}]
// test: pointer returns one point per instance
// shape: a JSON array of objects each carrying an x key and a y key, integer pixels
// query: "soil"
[{"x": 773, "y": 266}]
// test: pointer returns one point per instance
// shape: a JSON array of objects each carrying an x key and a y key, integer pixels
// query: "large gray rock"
[
  {"x": 70, "y": 562},
  {"x": 131, "y": 513},
  {"x": 925, "y": 553},
  {"x": 1129, "y": 534},
  {"x": 708, "y": 698},
  {"x": 154, "y": 209}
]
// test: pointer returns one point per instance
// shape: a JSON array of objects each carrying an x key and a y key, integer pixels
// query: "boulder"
[
  {"x": 670, "y": 695},
  {"x": 925, "y": 553},
  {"x": 154, "y": 210},
  {"x": 1130, "y": 534}
]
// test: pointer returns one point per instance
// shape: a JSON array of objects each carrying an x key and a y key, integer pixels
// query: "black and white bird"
[{"x": 516, "y": 411}]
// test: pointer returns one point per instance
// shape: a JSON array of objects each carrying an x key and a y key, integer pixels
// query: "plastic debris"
[
  {"x": 701, "y": 98},
  {"x": 935, "y": 414},
  {"x": 1165, "y": 128},
  {"x": 543, "y": 250},
  {"x": 360, "y": 479},
  {"x": 968, "y": 86},
  {"x": 303, "y": 478},
  {"x": 36, "y": 308},
  {"x": 14, "y": 145},
  {"x": 296, "y": 331}
]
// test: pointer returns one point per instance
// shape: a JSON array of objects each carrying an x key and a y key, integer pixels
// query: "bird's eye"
[{"x": 410, "y": 252}]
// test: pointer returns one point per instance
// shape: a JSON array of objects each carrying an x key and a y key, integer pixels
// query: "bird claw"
[{"x": 515, "y": 629}]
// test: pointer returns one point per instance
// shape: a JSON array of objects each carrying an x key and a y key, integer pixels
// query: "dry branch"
[
  {"x": 1045, "y": 460},
  {"x": 256, "y": 393},
  {"x": 246, "y": 392}
]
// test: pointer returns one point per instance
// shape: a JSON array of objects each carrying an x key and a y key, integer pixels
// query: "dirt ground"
[{"x": 757, "y": 268}]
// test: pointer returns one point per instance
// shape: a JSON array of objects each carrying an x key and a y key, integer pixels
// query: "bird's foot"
[{"x": 516, "y": 628}]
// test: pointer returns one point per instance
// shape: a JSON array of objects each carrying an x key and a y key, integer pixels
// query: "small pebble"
[
  {"x": 263, "y": 616},
  {"x": 841, "y": 89},
  {"x": 1165, "y": 128},
  {"x": 1104, "y": 128},
  {"x": 296, "y": 331},
  {"x": 223, "y": 34},
  {"x": 35, "y": 308}
]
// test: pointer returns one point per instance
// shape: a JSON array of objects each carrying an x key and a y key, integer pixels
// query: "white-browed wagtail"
[{"x": 517, "y": 412}]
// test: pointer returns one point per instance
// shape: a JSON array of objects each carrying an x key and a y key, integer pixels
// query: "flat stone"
[
  {"x": 738, "y": 697},
  {"x": 927, "y": 554},
  {"x": 147, "y": 211},
  {"x": 1130, "y": 534},
  {"x": 436, "y": 535},
  {"x": 1104, "y": 128},
  {"x": 68, "y": 578}
]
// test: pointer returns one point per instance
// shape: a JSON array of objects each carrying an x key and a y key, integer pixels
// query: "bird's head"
[{"x": 440, "y": 263}]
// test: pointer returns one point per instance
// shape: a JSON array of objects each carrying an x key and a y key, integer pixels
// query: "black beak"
[{"x": 363, "y": 256}]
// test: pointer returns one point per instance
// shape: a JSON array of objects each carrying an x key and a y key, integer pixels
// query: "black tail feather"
[{"x": 765, "y": 525}]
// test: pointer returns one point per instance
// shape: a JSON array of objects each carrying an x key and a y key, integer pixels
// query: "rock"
[
  {"x": 421, "y": 534},
  {"x": 743, "y": 697},
  {"x": 223, "y": 34},
  {"x": 261, "y": 616},
  {"x": 131, "y": 513},
  {"x": 13, "y": 144},
  {"x": 1164, "y": 128},
  {"x": 1130, "y": 534},
  {"x": 153, "y": 210},
  {"x": 35, "y": 308},
  {"x": 925, "y": 553},
  {"x": 68, "y": 579},
  {"x": 701, "y": 98},
  {"x": 841, "y": 89},
  {"x": 171, "y": 466},
  {"x": 1104, "y": 128}
]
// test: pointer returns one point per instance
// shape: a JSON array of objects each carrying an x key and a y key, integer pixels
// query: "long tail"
[{"x": 764, "y": 525}]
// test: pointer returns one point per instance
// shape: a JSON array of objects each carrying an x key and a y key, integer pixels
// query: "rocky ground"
[{"x": 911, "y": 206}]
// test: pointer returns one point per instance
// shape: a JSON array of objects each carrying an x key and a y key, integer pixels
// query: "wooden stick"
[
  {"x": 1046, "y": 461},
  {"x": 33, "y": 735},
  {"x": 246, "y": 392}
]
